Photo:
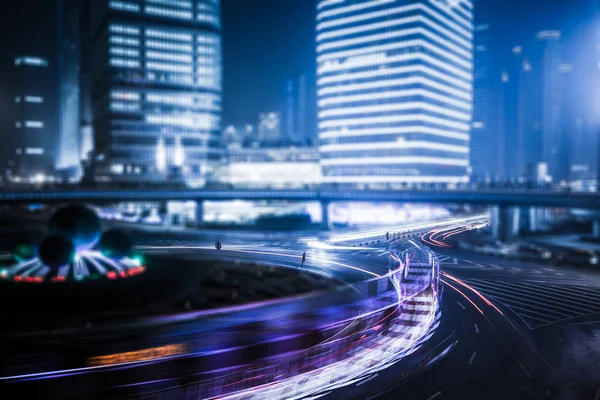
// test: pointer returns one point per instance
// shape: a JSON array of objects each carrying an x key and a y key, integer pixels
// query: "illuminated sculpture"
[{"x": 68, "y": 252}]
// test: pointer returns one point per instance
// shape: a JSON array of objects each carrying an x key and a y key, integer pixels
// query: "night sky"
[{"x": 265, "y": 42}]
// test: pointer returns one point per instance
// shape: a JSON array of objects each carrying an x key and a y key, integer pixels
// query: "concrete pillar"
[
  {"x": 199, "y": 213},
  {"x": 325, "y": 223},
  {"x": 596, "y": 231},
  {"x": 163, "y": 212},
  {"x": 530, "y": 219},
  {"x": 505, "y": 223}
]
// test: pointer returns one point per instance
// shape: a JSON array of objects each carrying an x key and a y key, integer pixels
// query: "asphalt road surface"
[{"x": 523, "y": 330}]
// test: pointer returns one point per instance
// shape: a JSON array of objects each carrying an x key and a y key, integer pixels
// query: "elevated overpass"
[
  {"x": 508, "y": 198},
  {"x": 507, "y": 203}
]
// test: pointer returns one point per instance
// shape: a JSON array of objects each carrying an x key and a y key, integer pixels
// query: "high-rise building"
[
  {"x": 33, "y": 157},
  {"x": 395, "y": 90},
  {"x": 546, "y": 66},
  {"x": 69, "y": 156},
  {"x": 295, "y": 107},
  {"x": 156, "y": 89},
  {"x": 481, "y": 137},
  {"x": 269, "y": 127},
  {"x": 85, "y": 81},
  {"x": 516, "y": 129}
]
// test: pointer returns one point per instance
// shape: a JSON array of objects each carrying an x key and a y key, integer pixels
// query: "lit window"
[
  {"x": 185, "y": 58},
  {"x": 34, "y": 124},
  {"x": 168, "y": 35},
  {"x": 124, "y": 63},
  {"x": 32, "y": 61},
  {"x": 169, "y": 13},
  {"x": 126, "y": 41},
  {"x": 34, "y": 151},
  {"x": 128, "y": 96},
  {"x": 153, "y": 44},
  {"x": 172, "y": 3},
  {"x": 121, "y": 51},
  {"x": 124, "y": 107},
  {"x": 168, "y": 67},
  {"x": 125, "y": 30},
  {"x": 117, "y": 169},
  {"x": 124, "y": 6},
  {"x": 34, "y": 99}
]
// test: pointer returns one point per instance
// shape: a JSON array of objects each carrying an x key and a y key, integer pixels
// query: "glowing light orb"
[
  {"x": 77, "y": 222},
  {"x": 56, "y": 251}
]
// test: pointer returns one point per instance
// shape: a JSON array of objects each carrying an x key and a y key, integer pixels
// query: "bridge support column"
[
  {"x": 596, "y": 230},
  {"x": 163, "y": 212},
  {"x": 505, "y": 223},
  {"x": 325, "y": 222},
  {"x": 531, "y": 219},
  {"x": 199, "y": 213}
]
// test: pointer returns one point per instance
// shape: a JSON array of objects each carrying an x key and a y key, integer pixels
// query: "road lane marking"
[
  {"x": 435, "y": 395},
  {"x": 382, "y": 254},
  {"x": 367, "y": 380},
  {"x": 550, "y": 294},
  {"x": 461, "y": 306},
  {"x": 476, "y": 328},
  {"x": 472, "y": 358}
]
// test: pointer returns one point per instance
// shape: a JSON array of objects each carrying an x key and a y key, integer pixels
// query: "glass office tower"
[
  {"x": 34, "y": 135},
  {"x": 395, "y": 90},
  {"x": 156, "y": 90}
]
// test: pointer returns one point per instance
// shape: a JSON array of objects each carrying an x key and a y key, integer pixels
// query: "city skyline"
[{"x": 259, "y": 75}]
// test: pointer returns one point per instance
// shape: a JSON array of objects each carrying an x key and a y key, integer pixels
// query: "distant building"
[
  {"x": 515, "y": 130},
  {"x": 547, "y": 61},
  {"x": 269, "y": 127},
  {"x": 295, "y": 118},
  {"x": 482, "y": 159},
  {"x": 269, "y": 167},
  {"x": 33, "y": 157},
  {"x": 85, "y": 81},
  {"x": 69, "y": 156},
  {"x": 156, "y": 90},
  {"x": 395, "y": 91}
]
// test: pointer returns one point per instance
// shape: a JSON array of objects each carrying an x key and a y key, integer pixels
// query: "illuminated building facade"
[
  {"x": 395, "y": 90},
  {"x": 33, "y": 157},
  {"x": 69, "y": 146},
  {"x": 156, "y": 90}
]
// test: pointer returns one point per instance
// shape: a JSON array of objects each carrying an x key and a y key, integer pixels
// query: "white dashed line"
[
  {"x": 367, "y": 380},
  {"x": 476, "y": 328},
  {"x": 472, "y": 358},
  {"x": 461, "y": 306},
  {"x": 435, "y": 395}
]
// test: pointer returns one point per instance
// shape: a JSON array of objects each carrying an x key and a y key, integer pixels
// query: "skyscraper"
[
  {"x": 69, "y": 80},
  {"x": 481, "y": 138},
  {"x": 33, "y": 156},
  {"x": 516, "y": 129},
  {"x": 395, "y": 90},
  {"x": 156, "y": 89},
  {"x": 294, "y": 110},
  {"x": 546, "y": 66}
]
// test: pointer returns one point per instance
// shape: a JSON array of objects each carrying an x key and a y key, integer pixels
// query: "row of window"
[{"x": 181, "y": 10}]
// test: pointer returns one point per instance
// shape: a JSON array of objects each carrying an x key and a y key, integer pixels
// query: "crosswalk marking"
[{"x": 539, "y": 305}]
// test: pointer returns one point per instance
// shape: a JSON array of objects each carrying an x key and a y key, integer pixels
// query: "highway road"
[
  {"x": 517, "y": 330},
  {"x": 523, "y": 330}
]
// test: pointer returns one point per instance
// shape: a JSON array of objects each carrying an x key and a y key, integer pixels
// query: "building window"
[
  {"x": 34, "y": 124},
  {"x": 124, "y": 6}
]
